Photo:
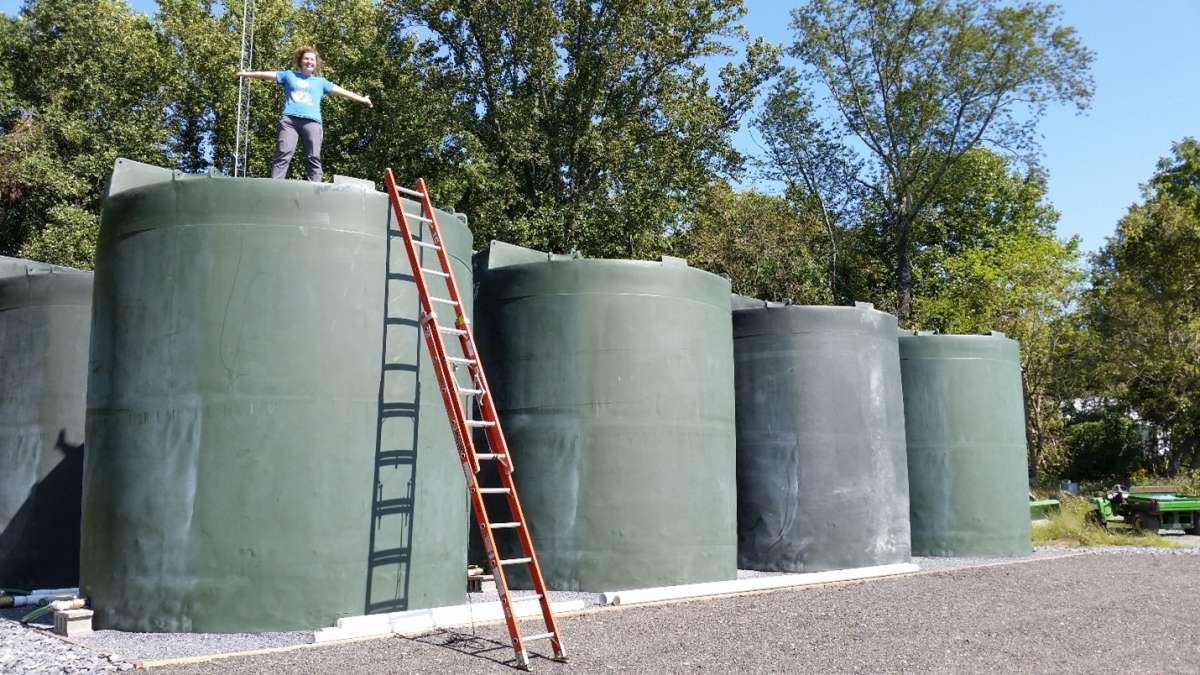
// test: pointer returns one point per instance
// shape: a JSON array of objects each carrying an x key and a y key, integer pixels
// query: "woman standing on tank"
[{"x": 301, "y": 118}]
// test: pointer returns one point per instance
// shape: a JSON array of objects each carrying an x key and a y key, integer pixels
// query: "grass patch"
[{"x": 1068, "y": 528}]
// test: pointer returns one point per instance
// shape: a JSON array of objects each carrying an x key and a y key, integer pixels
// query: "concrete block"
[
  {"x": 72, "y": 622},
  {"x": 478, "y": 584}
]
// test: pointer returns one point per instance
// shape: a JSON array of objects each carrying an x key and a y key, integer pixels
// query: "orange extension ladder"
[{"x": 460, "y": 426}]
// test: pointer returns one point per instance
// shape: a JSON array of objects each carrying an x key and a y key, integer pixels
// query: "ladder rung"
[
  {"x": 516, "y": 561},
  {"x": 543, "y": 636},
  {"x": 488, "y": 455},
  {"x": 480, "y": 423},
  {"x": 506, "y": 526},
  {"x": 444, "y": 301},
  {"x": 460, "y": 360},
  {"x": 407, "y": 191},
  {"x": 470, "y": 392},
  {"x": 418, "y": 242},
  {"x": 422, "y": 219},
  {"x": 454, "y": 331},
  {"x": 493, "y": 491},
  {"x": 436, "y": 273}
]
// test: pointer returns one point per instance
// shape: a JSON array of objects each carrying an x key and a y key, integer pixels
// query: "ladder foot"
[{"x": 561, "y": 659}]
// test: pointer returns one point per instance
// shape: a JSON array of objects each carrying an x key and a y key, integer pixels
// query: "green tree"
[
  {"x": 988, "y": 258},
  {"x": 818, "y": 171},
  {"x": 1102, "y": 444},
  {"x": 416, "y": 126},
  {"x": 592, "y": 123},
  {"x": 81, "y": 85},
  {"x": 1145, "y": 305},
  {"x": 767, "y": 247},
  {"x": 412, "y": 127},
  {"x": 917, "y": 84}
]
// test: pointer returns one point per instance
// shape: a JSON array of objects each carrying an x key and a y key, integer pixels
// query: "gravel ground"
[
  {"x": 1019, "y": 617},
  {"x": 1082, "y": 614},
  {"x": 23, "y": 650}
]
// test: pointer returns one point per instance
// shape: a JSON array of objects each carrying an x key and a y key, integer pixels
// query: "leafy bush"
[{"x": 1102, "y": 444}]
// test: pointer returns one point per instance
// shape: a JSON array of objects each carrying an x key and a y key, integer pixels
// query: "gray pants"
[{"x": 292, "y": 129}]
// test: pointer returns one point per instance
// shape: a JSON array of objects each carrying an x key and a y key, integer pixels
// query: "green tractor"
[{"x": 1147, "y": 508}]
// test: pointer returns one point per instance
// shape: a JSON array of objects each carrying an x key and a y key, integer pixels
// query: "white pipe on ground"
[
  {"x": 23, "y": 600},
  {"x": 56, "y": 591},
  {"x": 641, "y": 595}
]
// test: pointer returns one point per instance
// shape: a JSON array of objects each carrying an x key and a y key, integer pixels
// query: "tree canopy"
[
  {"x": 600, "y": 128},
  {"x": 62, "y": 125},
  {"x": 902, "y": 139},
  {"x": 917, "y": 84},
  {"x": 1144, "y": 305}
]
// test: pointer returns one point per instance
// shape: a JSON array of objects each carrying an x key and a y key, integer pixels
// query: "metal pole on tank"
[{"x": 241, "y": 143}]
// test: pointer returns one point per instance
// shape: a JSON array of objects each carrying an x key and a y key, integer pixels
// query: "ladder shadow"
[
  {"x": 393, "y": 499},
  {"x": 486, "y": 649}
]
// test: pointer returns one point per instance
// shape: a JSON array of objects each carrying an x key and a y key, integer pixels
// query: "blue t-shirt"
[{"x": 303, "y": 93}]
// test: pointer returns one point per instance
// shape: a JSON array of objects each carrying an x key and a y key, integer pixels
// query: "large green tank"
[
  {"x": 260, "y": 458},
  {"x": 614, "y": 383},
  {"x": 15, "y": 267},
  {"x": 965, "y": 421},
  {"x": 821, "y": 468},
  {"x": 45, "y": 318}
]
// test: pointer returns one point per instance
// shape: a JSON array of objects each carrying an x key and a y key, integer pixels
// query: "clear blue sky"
[{"x": 1147, "y": 60}]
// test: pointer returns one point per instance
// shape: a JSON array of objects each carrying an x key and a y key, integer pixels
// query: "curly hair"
[{"x": 301, "y": 51}]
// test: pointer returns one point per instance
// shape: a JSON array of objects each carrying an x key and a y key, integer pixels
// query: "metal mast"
[{"x": 241, "y": 143}]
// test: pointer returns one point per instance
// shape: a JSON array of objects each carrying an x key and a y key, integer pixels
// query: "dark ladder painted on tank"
[{"x": 460, "y": 426}]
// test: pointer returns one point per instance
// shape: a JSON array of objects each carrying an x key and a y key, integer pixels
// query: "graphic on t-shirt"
[{"x": 300, "y": 93}]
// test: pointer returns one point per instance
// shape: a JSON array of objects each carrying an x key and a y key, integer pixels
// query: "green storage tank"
[
  {"x": 821, "y": 468},
  {"x": 260, "y": 457},
  {"x": 965, "y": 421},
  {"x": 15, "y": 267},
  {"x": 45, "y": 318},
  {"x": 614, "y": 383}
]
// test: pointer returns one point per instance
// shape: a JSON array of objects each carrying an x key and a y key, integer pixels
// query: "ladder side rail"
[
  {"x": 496, "y": 441},
  {"x": 462, "y": 432},
  {"x": 467, "y": 340},
  {"x": 468, "y": 345},
  {"x": 487, "y": 408},
  {"x": 535, "y": 568},
  {"x": 433, "y": 338},
  {"x": 443, "y": 256},
  {"x": 498, "y": 445},
  {"x": 493, "y": 556}
]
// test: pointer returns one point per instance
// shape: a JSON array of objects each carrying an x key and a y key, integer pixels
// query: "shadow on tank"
[
  {"x": 39, "y": 546},
  {"x": 393, "y": 502}
]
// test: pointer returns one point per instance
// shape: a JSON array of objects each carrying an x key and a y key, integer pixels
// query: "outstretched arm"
[
  {"x": 346, "y": 93},
  {"x": 256, "y": 74}
]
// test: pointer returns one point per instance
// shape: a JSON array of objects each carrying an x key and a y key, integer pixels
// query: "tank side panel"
[
  {"x": 45, "y": 319},
  {"x": 234, "y": 406},
  {"x": 964, "y": 417},
  {"x": 13, "y": 267},
  {"x": 822, "y": 472},
  {"x": 618, "y": 409}
]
